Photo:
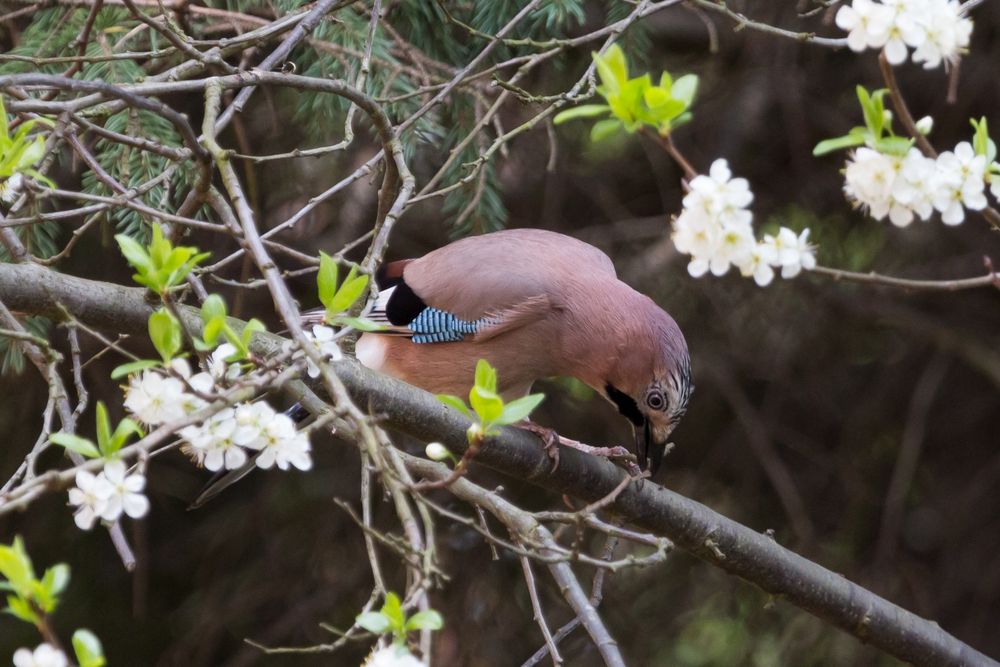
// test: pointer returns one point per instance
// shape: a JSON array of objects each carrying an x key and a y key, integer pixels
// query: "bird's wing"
[{"x": 483, "y": 286}]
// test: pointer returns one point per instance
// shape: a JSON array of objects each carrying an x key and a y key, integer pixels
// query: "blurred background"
[{"x": 858, "y": 423}]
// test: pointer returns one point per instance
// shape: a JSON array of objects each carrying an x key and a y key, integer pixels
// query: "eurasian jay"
[{"x": 534, "y": 304}]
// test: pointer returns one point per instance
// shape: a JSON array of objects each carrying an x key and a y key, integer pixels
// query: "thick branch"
[{"x": 708, "y": 535}]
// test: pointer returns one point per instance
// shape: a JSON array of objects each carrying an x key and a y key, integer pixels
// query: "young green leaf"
[
  {"x": 456, "y": 403},
  {"x": 126, "y": 427},
  {"x": 55, "y": 580},
  {"x": 359, "y": 323},
  {"x": 487, "y": 404},
  {"x": 612, "y": 69},
  {"x": 213, "y": 308},
  {"x": 21, "y": 608},
  {"x": 519, "y": 409},
  {"x": 392, "y": 609},
  {"x": 684, "y": 89},
  {"x": 831, "y": 145},
  {"x": 133, "y": 367},
  {"x": 251, "y": 327},
  {"x": 486, "y": 376},
  {"x": 981, "y": 141},
  {"x": 88, "y": 649},
  {"x": 103, "y": 427},
  {"x": 582, "y": 111},
  {"x": 353, "y": 287},
  {"x": 326, "y": 279},
  {"x": 75, "y": 443},
  {"x": 605, "y": 128},
  {"x": 15, "y": 566},
  {"x": 165, "y": 332},
  {"x": 425, "y": 620},
  {"x": 137, "y": 256},
  {"x": 374, "y": 621}
]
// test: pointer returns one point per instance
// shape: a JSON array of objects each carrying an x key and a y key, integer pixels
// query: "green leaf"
[
  {"x": 655, "y": 96},
  {"x": 981, "y": 141},
  {"x": 872, "y": 110},
  {"x": 684, "y": 89},
  {"x": 838, "y": 143},
  {"x": 125, "y": 428},
  {"x": 165, "y": 332},
  {"x": 487, "y": 404},
  {"x": 894, "y": 145},
  {"x": 212, "y": 330},
  {"x": 392, "y": 609},
  {"x": 486, "y": 376},
  {"x": 88, "y": 649},
  {"x": 15, "y": 566},
  {"x": 135, "y": 254},
  {"x": 359, "y": 323},
  {"x": 612, "y": 68},
  {"x": 20, "y": 608},
  {"x": 251, "y": 327},
  {"x": 425, "y": 620},
  {"x": 604, "y": 128},
  {"x": 213, "y": 308},
  {"x": 103, "y": 428},
  {"x": 519, "y": 409},
  {"x": 133, "y": 367},
  {"x": 75, "y": 443},
  {"x": 456, "y": 403},
  {"x": 583, "y": 111},
  {"x": 374, "y": 621},
  {"x": 56, "y": 579},
  {"x": 353, "y": 287},
  {"x": 326, "y": 279}
]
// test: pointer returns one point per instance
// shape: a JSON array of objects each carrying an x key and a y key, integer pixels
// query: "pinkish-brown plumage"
[{"x": 547, "y": 304}]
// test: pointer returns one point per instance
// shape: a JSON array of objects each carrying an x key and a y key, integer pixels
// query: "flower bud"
[
  {"x": 925, "y": 125},
  {"x": 437, "y": 452}
]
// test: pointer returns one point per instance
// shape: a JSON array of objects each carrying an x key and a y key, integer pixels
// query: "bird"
[{"x": 534, "y": 304}]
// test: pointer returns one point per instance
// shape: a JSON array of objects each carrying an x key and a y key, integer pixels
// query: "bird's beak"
[{"x": 648, "y": 446}]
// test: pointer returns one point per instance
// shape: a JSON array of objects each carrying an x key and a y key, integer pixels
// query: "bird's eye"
[{"x": 656, "y": 400}]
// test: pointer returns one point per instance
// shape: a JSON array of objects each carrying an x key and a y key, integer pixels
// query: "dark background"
[{"x": 859, "y": 423}]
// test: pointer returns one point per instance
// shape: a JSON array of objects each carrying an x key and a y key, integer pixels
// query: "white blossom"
[
  {"x": 867, "y": 24},
  {"x": 758, "y": 264},
  {"x": 126, "y": 495},
  {"x": 925, "y": 125},
  {"x": 44, "y": 655},
  {"x": 794, "y": 253},
  {"x": 156, "y": 399},
  {"x": 936, "y": 30},
  {"x": 915, "y": 185},
  {"x": 735, "y": 245},
  {"x": 393, "y": 656},
  {"x": 10, "y": 188},
  {"x": 869, "y": 178},
  {"x": 251, "y": 420},
  {"x": 282, "y": 445},
  {"x": 719, "y": 195},
  {"x": 322, "y": 338},
  {"x": 91, "y": 497},
  {"x": 219, "y": 368},
  {"x": 947, "y": 32},
  {"x": 212, "y": 442},
  {"x": 696, "y": 234},
  {"x": 960, "y": 182},
  {"x": 716, "y": 229}
]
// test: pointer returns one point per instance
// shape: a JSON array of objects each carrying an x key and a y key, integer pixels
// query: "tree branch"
[{"x": 693, "y": 527}]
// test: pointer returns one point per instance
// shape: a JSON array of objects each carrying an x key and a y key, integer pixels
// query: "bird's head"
[{"x": 651, "y": 383}]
